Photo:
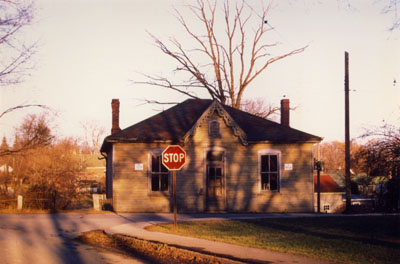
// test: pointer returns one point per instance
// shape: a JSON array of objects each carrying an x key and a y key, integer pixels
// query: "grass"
[{"x": 348, "y": 239}]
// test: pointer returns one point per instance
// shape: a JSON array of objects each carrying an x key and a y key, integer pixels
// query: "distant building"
[
  {"x": 236, "y": 162},
  {"x": 331, "y": 197},
  {"x": 6, "y": 180},
  {"x": 92, "y": 179}
]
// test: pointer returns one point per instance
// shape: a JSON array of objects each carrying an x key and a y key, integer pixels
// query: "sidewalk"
[{"x": 242, "y": 253}]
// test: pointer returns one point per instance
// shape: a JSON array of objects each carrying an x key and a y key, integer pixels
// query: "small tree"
[
  {"x": 383, "y": 159},
  {"x": 34, "y": 133},
  {"x": 55, "y": 174},
  {"x": 228, "y": 54}
]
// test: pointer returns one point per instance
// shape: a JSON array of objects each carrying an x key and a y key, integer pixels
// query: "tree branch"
[
  {"x": 223, "y": 56},
  {"x": 21, "y": 107}
]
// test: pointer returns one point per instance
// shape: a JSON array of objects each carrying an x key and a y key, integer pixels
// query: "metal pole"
[
  {"x": 347, "y": 132},
  {"x": 174, "y": 194}
]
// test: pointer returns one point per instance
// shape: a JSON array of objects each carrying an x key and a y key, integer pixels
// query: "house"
[
  {"x": 331, "y": 195},
  {"x": 236, "y": 162},
  {"x": 6, "y": 180}
]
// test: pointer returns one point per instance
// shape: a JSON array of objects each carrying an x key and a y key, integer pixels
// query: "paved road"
[{"x": 43, "y": 238}]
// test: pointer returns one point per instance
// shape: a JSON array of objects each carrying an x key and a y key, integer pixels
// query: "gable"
[{"x": 217, "y": 109}]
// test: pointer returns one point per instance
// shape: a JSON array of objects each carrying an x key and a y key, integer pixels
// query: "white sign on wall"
[
  {"x": 288, "y": 166},
  {"x": 138, "y": 166}
]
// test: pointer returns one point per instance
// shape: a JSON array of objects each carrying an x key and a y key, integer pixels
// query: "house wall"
[
  {"x": 242, "y": 172},
  {"x": 242, "y": 188},
  {"x": 334, "y": 200},
  {"x": 109, "y": 175}
]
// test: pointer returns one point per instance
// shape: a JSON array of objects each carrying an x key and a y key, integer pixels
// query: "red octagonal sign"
[{"x": 173, "y": 157}]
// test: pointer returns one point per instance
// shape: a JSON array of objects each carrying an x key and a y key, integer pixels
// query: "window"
[
  {"x": 326, "y": 207},
  {"x": 159, "y": 175},
  {"x": 213, "y": 129},
  {"x": 269, "y": 170},
  {"x": 215, "y": 174}
]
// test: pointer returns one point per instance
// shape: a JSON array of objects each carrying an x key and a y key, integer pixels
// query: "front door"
[{"x": 215, "y": 177}]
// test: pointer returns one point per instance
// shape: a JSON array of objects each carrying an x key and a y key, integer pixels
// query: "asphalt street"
[{"x": 48, "y": 238}]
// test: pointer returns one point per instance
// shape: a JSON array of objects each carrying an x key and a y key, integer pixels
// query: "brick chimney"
[
  {"x": 115, "y": 116},
  {"x": 285, "y": 108}
]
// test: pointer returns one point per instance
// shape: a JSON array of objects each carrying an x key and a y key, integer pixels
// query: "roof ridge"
[{"x": 174, "y": 124}]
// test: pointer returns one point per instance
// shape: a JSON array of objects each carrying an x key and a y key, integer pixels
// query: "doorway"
[{"x": 215, "y": 180}]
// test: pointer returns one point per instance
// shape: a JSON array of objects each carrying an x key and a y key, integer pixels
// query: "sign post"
[{"x": 173, "y": 158}]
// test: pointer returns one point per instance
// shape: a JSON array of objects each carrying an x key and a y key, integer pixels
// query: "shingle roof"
[
  {"x": 261, "y": 129},
  {"x": 174, "y": 123},
  {"x": 327, "y": 184}
]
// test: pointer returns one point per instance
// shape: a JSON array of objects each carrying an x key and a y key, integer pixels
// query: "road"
[{"x": 48, "y": 238}]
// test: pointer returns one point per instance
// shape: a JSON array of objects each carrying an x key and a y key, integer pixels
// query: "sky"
[{"x": 91, "y": 51}]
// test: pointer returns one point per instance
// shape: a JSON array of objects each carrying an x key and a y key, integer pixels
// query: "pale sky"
[{"x": 90, "y": 51}]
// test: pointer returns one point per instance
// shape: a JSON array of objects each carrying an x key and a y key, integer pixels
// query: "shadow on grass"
[{"x": 373, "y": 230}]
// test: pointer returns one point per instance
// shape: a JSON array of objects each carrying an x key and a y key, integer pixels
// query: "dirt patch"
[{"x": 151, "y": 251}]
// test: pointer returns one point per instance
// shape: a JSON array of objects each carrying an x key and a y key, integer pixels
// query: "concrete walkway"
[{"x": 241, "y": 253}]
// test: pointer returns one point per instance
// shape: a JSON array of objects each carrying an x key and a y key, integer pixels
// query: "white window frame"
[
  {"x": 270, "y": 152},
  {"x": 156, "y": 152},
  {"x": 326, "y": 206}
]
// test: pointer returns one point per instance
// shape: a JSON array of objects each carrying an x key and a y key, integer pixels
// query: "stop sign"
[{"x": 173, "y": 157}]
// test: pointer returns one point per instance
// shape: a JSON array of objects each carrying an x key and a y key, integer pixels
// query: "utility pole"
[
  {"x": 318, "y": 167},
  {"x": 347, "y": 132}
]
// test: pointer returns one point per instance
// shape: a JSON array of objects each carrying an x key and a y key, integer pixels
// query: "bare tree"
[
  {"x": 15, "y": 52},
  {"x": 392, "y": 7},
  {"x": 223, "y": 61},
  {"x": 94, "y": 133},
  {"x": 387, "y": 139},
  {"x": 260, "y": 108}
]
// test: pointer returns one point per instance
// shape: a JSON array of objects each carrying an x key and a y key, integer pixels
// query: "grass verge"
[
  {"x": 148, "y": 251},
  {"x": 348, "y": 239}
]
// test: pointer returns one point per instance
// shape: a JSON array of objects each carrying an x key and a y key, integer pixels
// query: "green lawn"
[{"x": 349, "y": 239}]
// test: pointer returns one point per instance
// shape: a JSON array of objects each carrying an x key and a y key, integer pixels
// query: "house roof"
[
  {"x": 175, "y": 123},
  {"x": 327, "y": 184}
]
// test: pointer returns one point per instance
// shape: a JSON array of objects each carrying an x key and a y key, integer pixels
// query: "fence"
[
  {"x": 100, "y": 202},
  {"x": 8, "y": 203},
  {"x": 21, "y": 202}
]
